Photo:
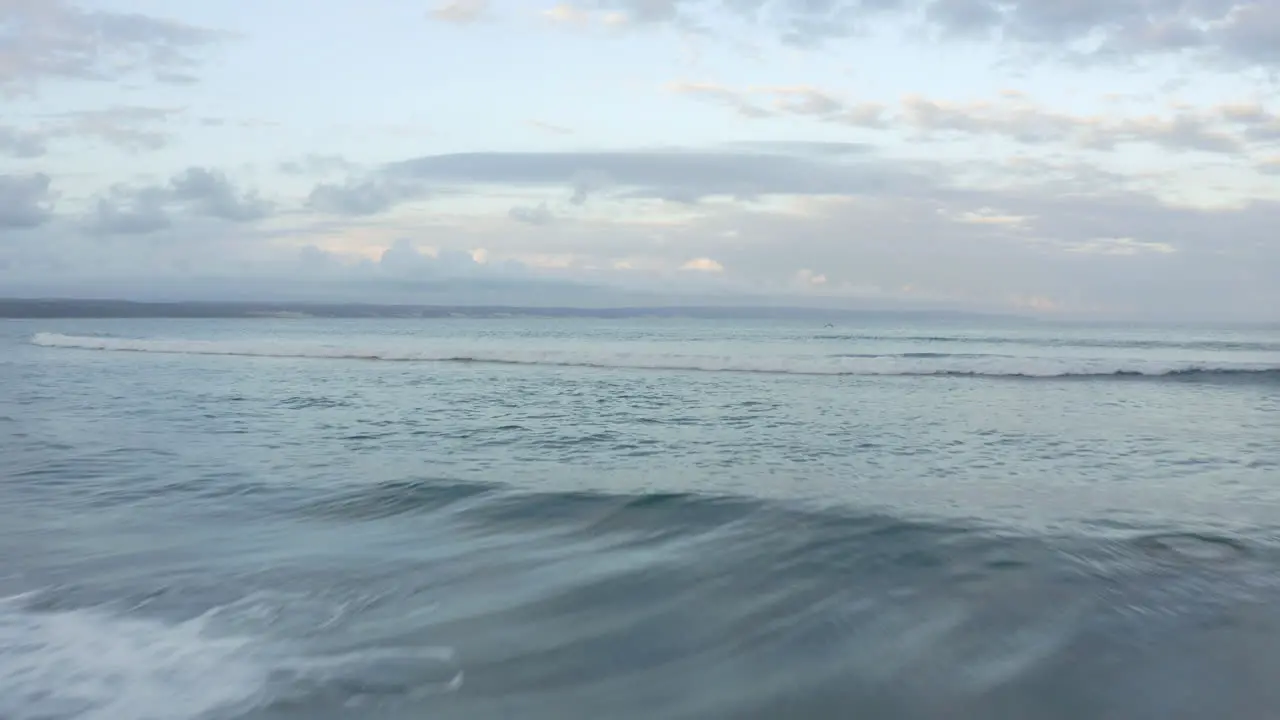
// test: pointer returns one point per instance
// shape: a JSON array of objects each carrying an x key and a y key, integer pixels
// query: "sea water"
[{"x": 637, "y": 518}]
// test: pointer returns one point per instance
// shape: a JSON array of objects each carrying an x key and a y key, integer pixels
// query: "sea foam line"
[{"x": 917, "y": 364}]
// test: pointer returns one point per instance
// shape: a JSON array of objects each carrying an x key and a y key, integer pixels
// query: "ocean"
[{"x": 623, "y": 518}]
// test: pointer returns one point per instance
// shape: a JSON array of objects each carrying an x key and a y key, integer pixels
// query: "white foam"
[
  {"x": 797, "y": 364},
  {"x": 92, "y": 665}
]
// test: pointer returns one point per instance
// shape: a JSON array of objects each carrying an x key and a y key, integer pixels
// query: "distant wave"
[
  {"x": 922, "y": 364},
  {"x": 1112, "y": 342}
]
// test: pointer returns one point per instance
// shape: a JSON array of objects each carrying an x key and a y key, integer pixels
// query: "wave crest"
[{"x": 912, "y": 364}]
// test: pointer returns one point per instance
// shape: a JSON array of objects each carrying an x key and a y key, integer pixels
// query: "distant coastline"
[{"x": 38, "y": 308}]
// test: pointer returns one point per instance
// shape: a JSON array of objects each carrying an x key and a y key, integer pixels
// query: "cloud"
[
  {"x": 677, "y": 175},
  {"x": 1244, "y": 32},
  {"x": 367, "y": 196},
  {"x": 317, "y": 165},
  {"x": 129, "y": 128},
  {"x": 564, "y": 13},
  {"x": 196, "y": 192},
  {"x": 130, "y": 211},
  {"x": 58, "y": 40},
  {"x": 816, "y": 148},
  {"x": 536, "y": 215},
  {"x": 21, "y": 144},
  {"x": 708, "y": 92},
  {"x": 25, "y": 200},
  {"x": 210, "y": 194},
  {"x": 1119, "y": 246},
  {"x": 1233, "y": 32},
  {"x": 784, "y": 100},
  {"x": 1100, "y": 248},
  {"x": 572, "y": 15},
  {"x": 460, "y": 11},
  {"x": 1227, "y": 129},
  {"x": 703, "y": 264},
  {"x": 406, "y": 258}
]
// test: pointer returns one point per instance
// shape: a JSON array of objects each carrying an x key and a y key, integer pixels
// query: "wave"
[
  {"x": 89, "y": 663},
  {"x": 1114, "y": 342},
  {"x": 905, "y": 364}
]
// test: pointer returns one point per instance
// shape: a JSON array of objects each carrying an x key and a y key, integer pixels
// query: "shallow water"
[{"x": 637, "y": 518}]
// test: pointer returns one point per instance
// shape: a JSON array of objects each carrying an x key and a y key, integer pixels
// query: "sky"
[{"x": 1065, "y": 158}]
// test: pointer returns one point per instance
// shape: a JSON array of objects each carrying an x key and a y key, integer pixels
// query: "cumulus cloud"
[
  {"x": 209, "y": 193},
  {"x": 196, "y": 192},
  {"x": 61, "y": 40},
  {"x": 407, "y": 258},
  {"x": 25, "y": 200}
]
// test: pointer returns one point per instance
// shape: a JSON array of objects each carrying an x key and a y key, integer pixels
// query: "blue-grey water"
[{"x": 557, "y": 519}]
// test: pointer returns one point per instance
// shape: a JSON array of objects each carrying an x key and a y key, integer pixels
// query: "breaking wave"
[{"x": 913, "y": 363}]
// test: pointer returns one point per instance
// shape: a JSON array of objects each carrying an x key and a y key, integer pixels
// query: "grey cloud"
[
  {"x": 368, "y": 196},
  {"x": 585, "y": 183},
  {"x": 317, "y": 165},
  {"x": 126, "y": 211},
  {"x": 195, "y": 192},
  {"x": 211, "y": 194},
  {"x": 1064, "y": 234},
  {"x": 1252, "y": 33},
  {"x": 1240, "y": 31},
  {"x": 25, "y": 200},
  {"x": 647, "y": 11},
  {"x": 807, "y": 147},
  {"x": 56, "y": 39},
  {"x": 21, "y": 144},
  {"x": 536, "y": 215},
  {"x": 680, "y": 175},
  {"x": 1244, "y": 32}
]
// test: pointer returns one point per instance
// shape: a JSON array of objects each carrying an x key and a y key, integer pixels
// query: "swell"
[
  {"x": 899, "y": 364},
  {"x": 759, "y": 609},
  {"x": 824, "y": 534},
  {"x": 1134, "y": 343}
]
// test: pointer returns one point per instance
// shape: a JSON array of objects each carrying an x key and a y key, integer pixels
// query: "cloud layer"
[{"x": 1115, "y": 159}]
